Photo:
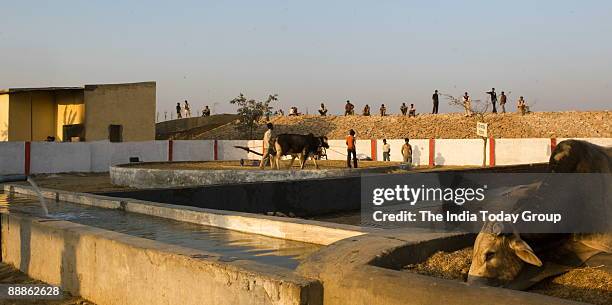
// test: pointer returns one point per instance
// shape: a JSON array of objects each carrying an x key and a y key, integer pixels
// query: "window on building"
[
  {"x": 115, "y": 133},
  {"x": 73, "y": 132}
]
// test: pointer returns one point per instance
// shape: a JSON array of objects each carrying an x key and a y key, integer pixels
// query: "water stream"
[
  {"x": 41, "y": 198},
  {"x": 232, "y": 245}
]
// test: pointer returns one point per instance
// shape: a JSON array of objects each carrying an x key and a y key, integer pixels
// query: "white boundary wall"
[
  {"x": 185, "y": 150},
  {"x": 12, "y": 158},
  {"x": 98, "y": 156},
  {"x": 104, "y": 153},
  {"x": 515, "y": 151},
  {"x": 459, "y": 152},
  {"x": 47, "y": 157}
]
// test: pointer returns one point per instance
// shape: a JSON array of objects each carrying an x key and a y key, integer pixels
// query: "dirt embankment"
[{"x": 579, "y": 124}]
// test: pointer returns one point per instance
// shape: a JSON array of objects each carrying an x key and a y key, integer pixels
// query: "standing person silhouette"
[
  {"x": 268, "y": 145},
  {"x": 493, "y": 99},
  {"x": 386, "y": 150},
  {"x": 179, "y": 115},
  {"x": 351, "y": 149},
  {"x": 187, "y": 110},
  {"x": 502, "y": 101},
  {"x": 467, "y": 104},
  {"x": 436, "y": 100}
]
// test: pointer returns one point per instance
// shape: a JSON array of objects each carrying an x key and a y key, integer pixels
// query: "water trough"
[{"x": 99, "y": 248}]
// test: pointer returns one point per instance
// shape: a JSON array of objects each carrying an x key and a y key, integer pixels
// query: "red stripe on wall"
[
  {"x": 432, "y": 151},
  {"x": 553, "y": 144},
  {"x": 491, "y": 151},
  {"x": 216, "y": 151},
  {"x": 26, "y": 165},
  {"x": 170, "y": 148},
  {"x": 373, "y": 148}
]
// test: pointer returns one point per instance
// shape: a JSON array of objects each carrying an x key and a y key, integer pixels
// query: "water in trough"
[{"x": 232, "y": 245}]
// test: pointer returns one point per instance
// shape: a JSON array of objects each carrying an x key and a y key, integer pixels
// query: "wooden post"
[{"x": 484, "y": 152}]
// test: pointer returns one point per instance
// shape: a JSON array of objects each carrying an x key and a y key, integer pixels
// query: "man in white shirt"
[
  {"x": 386, "y": 150},
  {"x": 467, "y": 104},
  {"x": 268, "y": 146}
]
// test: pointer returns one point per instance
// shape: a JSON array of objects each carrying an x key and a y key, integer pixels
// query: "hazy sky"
[{"x": 557, "y": 54}]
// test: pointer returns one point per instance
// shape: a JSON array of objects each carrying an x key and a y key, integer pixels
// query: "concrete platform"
[{"x": 153, "y": 176}]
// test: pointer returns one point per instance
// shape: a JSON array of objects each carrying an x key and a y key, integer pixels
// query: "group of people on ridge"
[
  {"x": 349, "y": 108},
  {"x": 186, "y": 109},
  {"x": 521, "y": 105}
]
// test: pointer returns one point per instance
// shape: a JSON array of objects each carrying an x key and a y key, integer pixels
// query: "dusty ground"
[
  {"x": 592, "y": 284},
  {"x": 10, "y": 275},
  {"x": 323, "y": 164},
  {"x": 566, "y": 124}
]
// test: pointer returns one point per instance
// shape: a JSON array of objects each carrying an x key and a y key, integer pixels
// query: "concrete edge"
[
  {"x": 134, "y": 175},
  {"x": 281, "y": 286},
  {"x": 363, "y": 270},
  {"x": 309, "y": 231}
]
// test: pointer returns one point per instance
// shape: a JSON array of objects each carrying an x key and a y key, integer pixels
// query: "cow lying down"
[{"x": 503, "y": 256}]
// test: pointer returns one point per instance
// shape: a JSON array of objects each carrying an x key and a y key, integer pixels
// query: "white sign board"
[{"x": 481, "y": 129}]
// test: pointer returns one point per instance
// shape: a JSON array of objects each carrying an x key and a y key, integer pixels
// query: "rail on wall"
[{"x": 54, "y": 157}]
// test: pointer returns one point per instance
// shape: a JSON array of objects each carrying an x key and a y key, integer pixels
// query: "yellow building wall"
[
  {"x": 20, "y": 119},
  {"x": 43, "y": 115},
  {"x": 129, "y": 105},
  {"x": 34, "y": 115},
  {"x": 4, "y": 117},
  {"x": 70, "y": 110}
]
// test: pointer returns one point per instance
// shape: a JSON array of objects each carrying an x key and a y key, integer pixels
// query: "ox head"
[
  {"x": 499, "y": 257},
  {"x": 323, "y": 142}
]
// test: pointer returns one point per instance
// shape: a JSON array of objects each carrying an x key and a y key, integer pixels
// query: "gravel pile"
[{"x": 448, "y": 126}]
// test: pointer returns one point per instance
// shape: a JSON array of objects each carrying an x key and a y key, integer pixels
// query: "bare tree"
[{"x": 478, "y": 110}]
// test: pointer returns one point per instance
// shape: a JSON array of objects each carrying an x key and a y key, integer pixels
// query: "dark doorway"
[
  {"x": 115, "y": 133},
  {"x": 72, "y": 131}
]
